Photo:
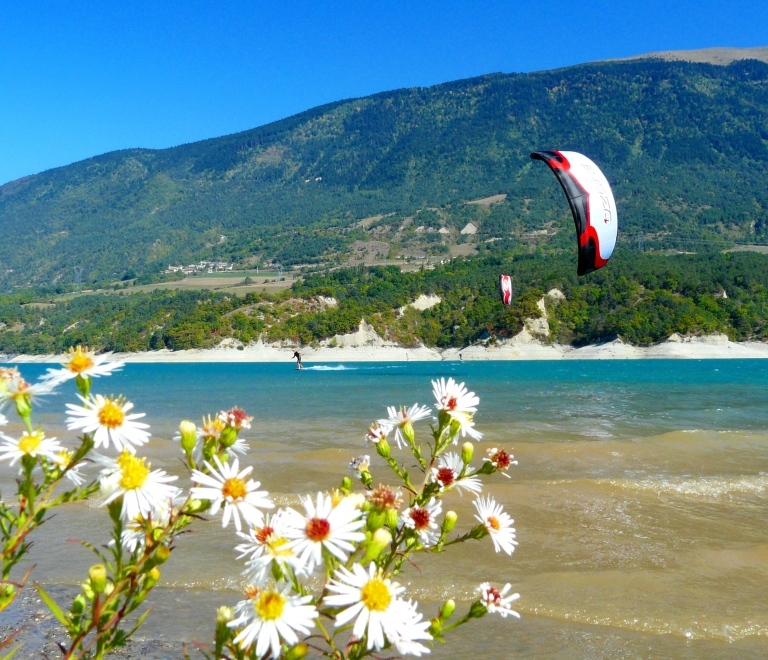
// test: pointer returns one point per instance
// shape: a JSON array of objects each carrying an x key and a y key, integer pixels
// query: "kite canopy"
[
  {"x": 505, "y": 289},
  {"x": 592, "y": 205}
]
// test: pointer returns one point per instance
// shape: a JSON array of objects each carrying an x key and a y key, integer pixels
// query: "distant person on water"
[{"x": 297, "y": 355}]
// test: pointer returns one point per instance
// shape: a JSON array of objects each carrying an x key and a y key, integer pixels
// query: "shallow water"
[{"x": 640, "y": 498}]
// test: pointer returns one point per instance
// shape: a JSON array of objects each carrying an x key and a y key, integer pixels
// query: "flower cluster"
[
  {"x": 323, "y": 572},
  {"x": 357, "y": 543}
]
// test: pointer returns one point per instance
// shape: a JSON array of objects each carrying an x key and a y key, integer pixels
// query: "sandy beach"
[{"x": 369, "y": 349}]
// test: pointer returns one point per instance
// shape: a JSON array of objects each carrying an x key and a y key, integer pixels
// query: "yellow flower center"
[
  {"x": 234, "y": 488},
  {"x": 493, "y": 523},
  {"x": 63, "y": 458},
  {"x": 270, "y": 605},
  {"x": 375, "y": 595},
  {"x": 80, "y": 360},
  {"x": 278, "y": 550},
  {"x": 212, "y": 428},
  {"x": 133, "y": 471},
  {"x": 29, "y": 443},
  {"x": 111, "y": 415}
]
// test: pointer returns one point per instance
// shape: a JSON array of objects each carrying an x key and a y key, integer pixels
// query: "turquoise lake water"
[{"x": 640, "y": 498}]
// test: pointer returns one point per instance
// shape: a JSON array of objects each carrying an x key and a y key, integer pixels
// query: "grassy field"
[{"x": 228, "y": 282}]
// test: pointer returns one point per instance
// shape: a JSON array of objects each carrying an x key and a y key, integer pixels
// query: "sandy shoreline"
[{"x": 522, "y": 347}]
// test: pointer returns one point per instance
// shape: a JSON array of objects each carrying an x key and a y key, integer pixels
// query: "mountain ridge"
[{"x": 684, "y": 144}]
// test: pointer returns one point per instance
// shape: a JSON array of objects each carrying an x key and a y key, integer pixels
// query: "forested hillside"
[
  {"x": 643, "y": 298},
  {"x": 684, "y": 145}
]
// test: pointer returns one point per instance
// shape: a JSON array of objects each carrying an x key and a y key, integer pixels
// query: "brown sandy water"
[{"x": 632, "y": 544}]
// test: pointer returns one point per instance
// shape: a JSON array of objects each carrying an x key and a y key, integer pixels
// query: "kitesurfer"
[{"x": 297, "y": 355}]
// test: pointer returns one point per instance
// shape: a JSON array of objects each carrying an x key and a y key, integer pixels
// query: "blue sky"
[{"x": 80, "y": 78}]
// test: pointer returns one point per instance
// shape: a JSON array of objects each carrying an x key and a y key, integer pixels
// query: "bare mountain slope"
[{"x": 723, "y": 56}]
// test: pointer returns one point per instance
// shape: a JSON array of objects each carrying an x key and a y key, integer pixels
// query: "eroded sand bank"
[{"x": 522, "y": 347}]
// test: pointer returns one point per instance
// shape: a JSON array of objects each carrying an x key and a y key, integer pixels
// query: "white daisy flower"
[
  {"x": 405, "y": 636},
  {"x": 373, "y": 599},
  {"x": 360, "y": 464},
  {"x": 236, "y": 418},
  {"x": 324, "y": 526},
  {"x": 377, "y": 432},
  {"x": 226, "y": 486},
  {"x": 108, "y": 419},
  {"x": 456, "y": 401},
  {"x": 13, "y": 388},
  {"x": 423, "y": 520},
  {"x": 497, "y": 602},
  {"x": 62, "y": 459},
  {"x": 268, "y": 616},
  {"x": 33, "y": 444},
  {"x": 403, "y": 420},
  {"x": 134, "y": 535},
  {"x": 266, "y": 544},
  {"x": 447, "y": 474},
  {"x": 145, "y": 492},
  {"x": 498, "y": 524},
  {"x": 500, "y": 459},
  {"x": 85, "y": 363}
]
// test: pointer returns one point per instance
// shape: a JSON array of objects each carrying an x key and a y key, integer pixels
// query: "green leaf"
[
  {"x": 62, "y": 618},
  {"x": 11, "y": 654},
  {"x": 138, "y": 623}
]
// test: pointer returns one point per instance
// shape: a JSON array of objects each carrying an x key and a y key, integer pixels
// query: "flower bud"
[
  {"x": 152, "y": 577},
  {"x": 24, "y": 406},
  {"x": 376, "y": 519},
  {"x": 98, "y": 576},
  {"x": 188, "y": 433},
  {"x": 224, "y": 615},
  {"x": 392, "y": 518},
  {"x": 449, "y": 522},
  {"x": 87, "y": 589},
  {"x": 346, "y": 485},
  {"x": 228, "y": 437},
  {"x": 162, "y": 554},
  {"x": 78, "y": 605},
  {"x": 382, "y": 447},
  {"x": 447, "y": 609},
  {"x": 297, "y": 652},
  {"x": 157, "y": 534},
  {"x": 435, "y": 626},
  {"x": 408, "y": 433},
  {"x": 443, "y": 419},
  {"x": 455, "y": 428},
  {"x": 194, "y": 506},
  {"x": 467, "y": 452},
  {"x": 160, "y": 557},
  {"x": 381, "y": 539}
]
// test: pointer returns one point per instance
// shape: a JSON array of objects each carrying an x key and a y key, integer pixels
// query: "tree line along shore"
[{"x": 641, "y": 298}]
